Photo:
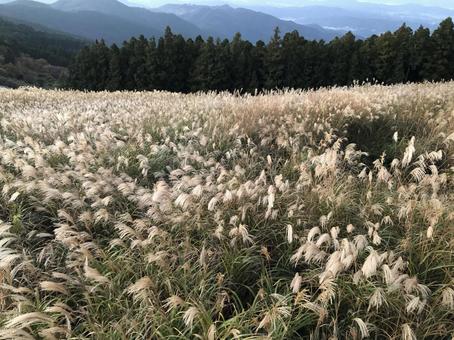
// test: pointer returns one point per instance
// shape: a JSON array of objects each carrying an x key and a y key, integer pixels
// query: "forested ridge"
[
  {"x": 57, "y": 48},
  {"x": 174, "y": 63},
  {"x": 30, "y": 56}
]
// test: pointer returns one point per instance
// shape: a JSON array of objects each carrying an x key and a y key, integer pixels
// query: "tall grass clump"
[{"x": 290, "y": 215}]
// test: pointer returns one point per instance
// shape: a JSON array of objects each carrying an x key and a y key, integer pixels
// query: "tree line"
[{"x": 174, "y": 63}]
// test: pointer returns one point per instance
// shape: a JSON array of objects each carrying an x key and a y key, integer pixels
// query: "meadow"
[{"x": 322, "y": 214}]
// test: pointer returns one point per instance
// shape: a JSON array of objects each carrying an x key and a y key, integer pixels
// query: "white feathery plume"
[
  {"x": 407, "y": 332},
  {"x": 50, "y": 286},
  {"x": 409, "y": 152},
  {"x": 203, "y": 257},
  {"x": 139, "y": 289},
  {"x": 447, "y": 298},
  {"x": 211, "y": 334},
  {"x": 28, "y": 319},
  {"x": 94, "y": 274},
  {"x": 289, "y": 234},
  {"x": 396, "y": 136},
  {"x": 414, "y": 304},
  {"x": 14, "y": 197},
  {"x": 173, "y": 302},
  {"x": 377, "y": 299},
  {"x": 364, "y": 330},
  {"x": 56, "y": 333},
  {"x": 189, "y": 316},
  {"x": 325, "y": 238},
  {"x": 296, "y": 283},
  {"x": 371, "y": 264},
  {"x": 312, "y": 233},
  {"x": 15, "y": 334}
]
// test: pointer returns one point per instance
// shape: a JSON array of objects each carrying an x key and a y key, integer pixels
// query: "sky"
[{"x": 280, "y": 3}]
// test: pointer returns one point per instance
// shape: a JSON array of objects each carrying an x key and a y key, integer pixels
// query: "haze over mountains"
[
  {"x": 107, "y": 19},
  {"x": 363, "y": 19},
  {"x": 224, "y": 21},
  {"x": 116, "y": 21}
]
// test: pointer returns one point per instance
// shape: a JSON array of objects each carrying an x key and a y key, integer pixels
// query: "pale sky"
[
  {"x": 154, "y": 3},
  {"x": 280, "y": 3}
]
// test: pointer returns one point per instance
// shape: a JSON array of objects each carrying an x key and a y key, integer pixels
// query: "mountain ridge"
[
  {"x": 87, "y": 24},
  {"x": 253, "y": 25},
  {"x": 115, "y": 21},
  {"x": 362, "y": 18},
  {"x": 138, "y": 15},
  {"x": 30, "y": 56}
]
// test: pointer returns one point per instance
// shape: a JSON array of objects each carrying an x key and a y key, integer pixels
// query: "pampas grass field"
[{"x": 326, "y": 214}]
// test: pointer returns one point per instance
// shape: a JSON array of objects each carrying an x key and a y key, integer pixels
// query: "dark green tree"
[
  {"x": 403, "y": 47},
  {"x": 442, "y": 65},
  {"x": 115, "y": 81},
  {"x": 173, "y": 63},
  {"x": 342, "y": 51},
  {"x": 274, "y": 62},
  {"x": 420, "y": 60},
  {"x": 293, "y": 59},
  {"x": 211, "y": 70}
]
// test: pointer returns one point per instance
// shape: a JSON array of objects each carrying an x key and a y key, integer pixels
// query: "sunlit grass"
[{"x": 313, "y": 215}]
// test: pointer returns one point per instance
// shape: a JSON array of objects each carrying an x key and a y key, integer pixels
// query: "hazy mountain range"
[
  {"x": 111, "y": 21},
  {"x": 117, "y": 21},
  {"x": 364, "y": 19},
  {"x": 290, "y": 3},
  {"x": 224, "y": 21}
]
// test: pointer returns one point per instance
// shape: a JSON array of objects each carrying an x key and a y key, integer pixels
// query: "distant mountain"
[
  {"x": 364, "y": 19},
  {"x": 334, "y": 3},
  {"x": 114, "y": 22},
  {"x": 88, "y": 24},
  {"x": 437, "y": 3},
  {"x": 224, "y": 21},
  {"x": 103, "y": 6},
  {"x": 137, "y": 15},
  {"x": 407, "y": 11}
]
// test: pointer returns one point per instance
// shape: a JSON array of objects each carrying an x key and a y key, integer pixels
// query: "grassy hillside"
[
  {"x": 32, "y": 57},
  {"x": 291, "y": 215}
]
